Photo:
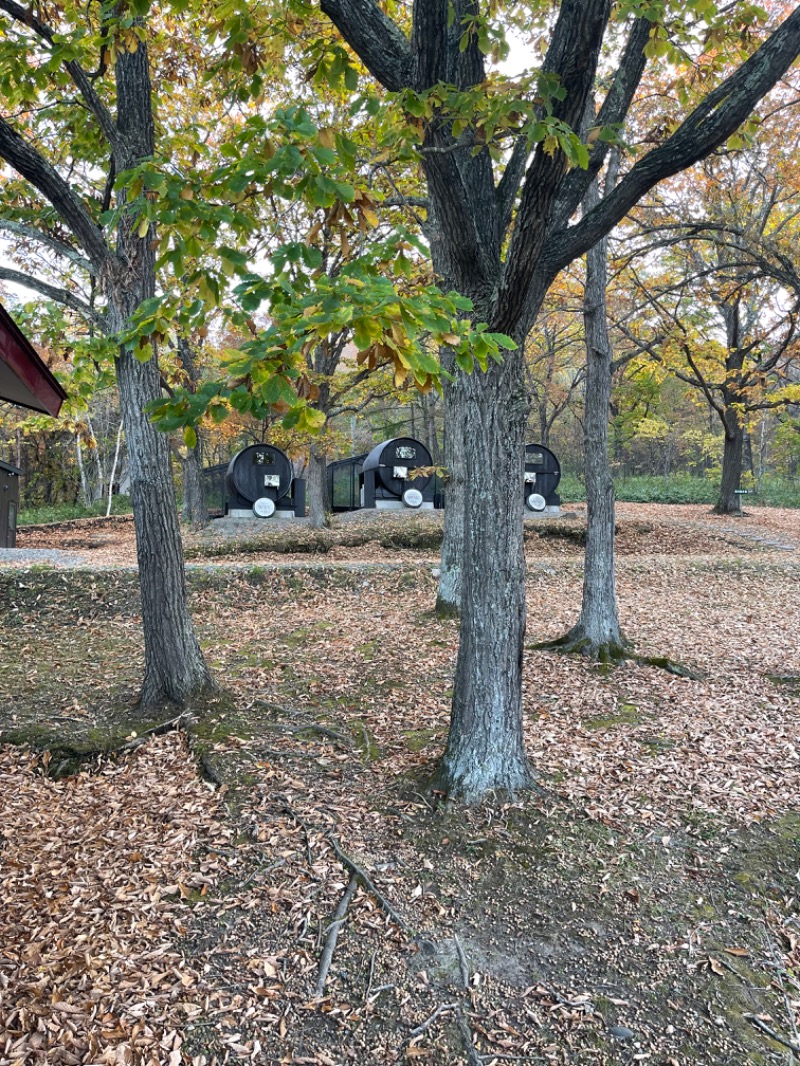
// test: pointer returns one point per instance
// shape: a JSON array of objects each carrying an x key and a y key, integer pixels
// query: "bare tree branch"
[
  {"x": 20, "y": 229},
  {"x": 715, "y": 119},
  {"x": 21, "y": 155},
  {"x": 52, "y": 292}
]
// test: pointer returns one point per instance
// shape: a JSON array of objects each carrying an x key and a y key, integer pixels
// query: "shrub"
[{"x": 66, "y": 512}]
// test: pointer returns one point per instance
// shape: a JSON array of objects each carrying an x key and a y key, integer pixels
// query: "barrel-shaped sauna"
[
  {"x": 390, "y": 479},
  {"x": 259, "y": 481},
  {"x": 542, "y": 475}
]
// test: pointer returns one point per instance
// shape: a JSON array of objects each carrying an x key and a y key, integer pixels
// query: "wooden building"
[{"x": 25, "y": 381}]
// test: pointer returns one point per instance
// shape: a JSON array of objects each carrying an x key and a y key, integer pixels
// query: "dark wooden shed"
[{"x": 9, "y": 504}]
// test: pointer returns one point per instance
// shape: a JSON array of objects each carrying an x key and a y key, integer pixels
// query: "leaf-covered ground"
[{"x": 641, "y": 908}]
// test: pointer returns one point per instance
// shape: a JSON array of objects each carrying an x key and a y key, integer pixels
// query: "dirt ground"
[{"x": 173, "y": 903}]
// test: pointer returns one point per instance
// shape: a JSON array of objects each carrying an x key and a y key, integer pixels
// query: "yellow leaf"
[
  {"x": 187, "y": 193},
  {"x": 143, "y": 227},
  {"x": 327, "y": 137}
]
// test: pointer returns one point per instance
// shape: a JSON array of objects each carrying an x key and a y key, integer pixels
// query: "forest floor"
[{"x": 172, "y": 903}]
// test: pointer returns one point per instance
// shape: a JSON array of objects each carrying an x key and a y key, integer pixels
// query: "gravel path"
[{"x": 41, "y": 555}]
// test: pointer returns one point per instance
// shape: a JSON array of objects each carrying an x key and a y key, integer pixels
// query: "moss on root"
[{"x": 610, "y": 653}]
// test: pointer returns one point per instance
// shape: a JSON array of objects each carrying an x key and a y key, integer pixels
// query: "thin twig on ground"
[
  {"x": 473, "y": 1058},
  {"x": 462, "y": 962},
  {"x": 770, "y": 1032},
  {"x": 420, "y": 1029},
  {"x": 339, "y": 918},
  {"x": 367, "y": 882}
]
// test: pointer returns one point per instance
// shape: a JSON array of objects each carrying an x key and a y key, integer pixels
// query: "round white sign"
[
  {"x": 412, "y": 498},
  {"x": 264, "y": 508},
  {"x": 536, "y": 502}
]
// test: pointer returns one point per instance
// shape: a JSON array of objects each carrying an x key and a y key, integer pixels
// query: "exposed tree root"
[
  {"x": 339, "y": 918},
  {"x": 368, "y": 883},
  {"x": 727, "y": 513},
  {"x": 661, "y": 662},
  {"x": 475, "y": 787},
  {"x": 613, "y": 653},
  {"x": 576, "y": 643}
]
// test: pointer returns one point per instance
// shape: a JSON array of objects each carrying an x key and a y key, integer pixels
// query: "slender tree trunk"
[
  {"x": 597, "y": 633},
  {"x": 85, "y": 497},
  {"x": 175, "y": 670},
  {"x": 747, "y": 455},
  {"x": 448, "y": 600},
  {"x": 194, "y": 511},
  {"x": 485, "y": 749},
  {"x": 319, "y": 505},
  {"x": 114, "y": 469},
  {"x": 98, "y": 489},
  {"x": 730, "y": 502},
  {"x": 544, "y": 425},
  {"x": 429, "y": 421}
]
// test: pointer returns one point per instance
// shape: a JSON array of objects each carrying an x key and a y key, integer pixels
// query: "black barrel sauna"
[
  {"x": 260, "y": 482},
  {"x": 542, "y": 475},
  {"x": 389, "y": 478},
  {"x": 9, "y": 504}
]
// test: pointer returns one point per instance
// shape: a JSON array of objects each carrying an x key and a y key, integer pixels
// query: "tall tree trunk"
[
  {"x": 485, "y": 749},
  {"x": 427, "y": 403},
  {"x": 597, "y": 633},
  {"x": 544, "y": 425},
  {"x": 174, "y": 666},
  {"x": 319, "y": 505},
  {"x": 729, "y": 501},
  {"x": 175, "y": 670}
]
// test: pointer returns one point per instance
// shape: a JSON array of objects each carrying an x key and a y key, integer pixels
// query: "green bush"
[
  {"x": 680, "y": 488},
  {"x": 570, "y": 489},
  {"x": 776, "y": 492},
  {"x": 684, "y": 488},
  {"x": 66, "y": 512}
]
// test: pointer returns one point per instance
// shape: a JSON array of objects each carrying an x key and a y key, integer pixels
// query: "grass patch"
[
  {"x": 684, "y": 489},
  {"x": 67, "y": 512}
]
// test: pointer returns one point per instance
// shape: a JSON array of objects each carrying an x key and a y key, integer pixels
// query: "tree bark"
[
  {"x": 194, "y": 511},
  {"x": 448, "y": 600},
  {"x": 597, "y": 633},
  {"x": 729, "y": 501},
  {"x": 175, "y": 670},
  {"x": 319, "y": 504},
  {"x": 485, "y": 749},
  {"x": 85, "y": 495},
  {"x": 174, "y": 667}
]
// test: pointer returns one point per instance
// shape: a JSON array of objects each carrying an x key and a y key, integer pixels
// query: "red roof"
[{"x": 24, "y": 378}]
